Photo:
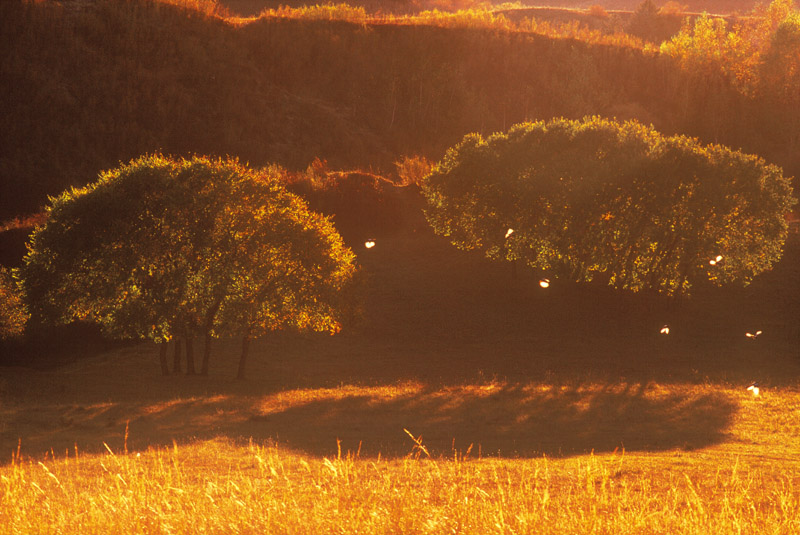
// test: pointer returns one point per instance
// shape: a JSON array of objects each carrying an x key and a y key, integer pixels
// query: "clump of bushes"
[
  {"x": 363, "y": 205},
  {"x": 13, "y": 314}
]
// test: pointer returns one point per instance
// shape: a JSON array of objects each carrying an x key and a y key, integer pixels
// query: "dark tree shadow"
[
  {"x": 490, "y": 419},
  {"x": 498, "y": 363},
  {"x": 514, "y": 421}
]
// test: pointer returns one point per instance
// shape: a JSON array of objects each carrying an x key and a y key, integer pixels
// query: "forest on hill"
[
  {"x": 86, "y": 85},
  {"x": 249, "y": 8}
]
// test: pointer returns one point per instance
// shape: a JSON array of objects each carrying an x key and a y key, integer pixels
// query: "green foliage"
[
  {"x": 13, "y": 315},
  {"x": 750, "y": 52},
  {"x": 160, "y": 248},
  {"x": 412, "y": 169},
  {"x": 593, "y": 197},
  {"x": 342, "y": 12},
  {"x": 706, "y": 47},
  {"x": 780, "y": 65}
]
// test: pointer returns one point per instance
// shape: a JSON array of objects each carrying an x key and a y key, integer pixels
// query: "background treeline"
[
  {"x": 86, "y": 85},
  {"x": 251, "y": 8}
]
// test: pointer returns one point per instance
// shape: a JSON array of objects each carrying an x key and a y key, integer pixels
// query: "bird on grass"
[{"x": 754, "y": 389}]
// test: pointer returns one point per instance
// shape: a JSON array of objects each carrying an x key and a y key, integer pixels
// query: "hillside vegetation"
[
  {"x": 86, "y": 87},
  {"x": 249, "y": 8},
  {"x": 464, "y": 397},
  {"x": 547, "y": 411}
]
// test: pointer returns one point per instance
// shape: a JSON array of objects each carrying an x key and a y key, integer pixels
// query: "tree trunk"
[
  {"x": 243, "y": 357},
  {"x": 209, "y": 324},
  {"x": 162, "y": 357},
  {"x": 176, "y": 357},
  {"x": 206, "y": 354},
  {"x": 189, "y": 356}
]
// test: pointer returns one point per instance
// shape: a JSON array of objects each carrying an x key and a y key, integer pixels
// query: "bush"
[
  {"x": 13, "y": 315},
  {"x": 597, "y": 11},
  {"x": 593, "y": 197},
  {"x": 363, "y": 205}
]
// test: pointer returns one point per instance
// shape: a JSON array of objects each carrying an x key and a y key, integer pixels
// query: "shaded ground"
[
  {"x": 490, "y": 419},
  {"x": 451, "y": 348}
]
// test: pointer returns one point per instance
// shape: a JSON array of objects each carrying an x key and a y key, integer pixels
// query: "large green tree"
[
  {"x": 601, "y": 198},
  {"x": 167, "y": 249},
  {"x": 13, "y": 315}
]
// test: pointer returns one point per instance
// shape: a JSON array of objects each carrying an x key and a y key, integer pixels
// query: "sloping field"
[
  {"x": 526, "y": 410},
  {"x": 456, "y": 348},
  {"x": 254, "y": 7}
]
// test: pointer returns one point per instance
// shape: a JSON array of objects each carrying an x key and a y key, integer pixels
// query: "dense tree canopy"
[
  {"x": 12, "y": 311},
  {"x": 597, "y": 197},
  {"x": 162, "y": 248}
]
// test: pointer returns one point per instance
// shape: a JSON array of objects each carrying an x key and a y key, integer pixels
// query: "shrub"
[
  {"x": 412, "y": 169},
  {"x": 13, "y": 315},
  {"x": 597, "y": 11},
  {"x": 597, "y": 197}
]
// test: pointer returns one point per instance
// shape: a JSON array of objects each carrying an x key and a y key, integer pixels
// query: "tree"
[
  {"x": 755, "y": 53},
  {"x": 13, "y": 315},
  {"x": 165, "y": 249},
  {"x": 779, "y": 73},
  {"x": 650, "y": 23},
  {"x": 597, "y": 197},
  {"x": 281, "y": 265}
]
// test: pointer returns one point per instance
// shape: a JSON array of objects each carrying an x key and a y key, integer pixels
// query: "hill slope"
[{"x": 85, "y": 88}]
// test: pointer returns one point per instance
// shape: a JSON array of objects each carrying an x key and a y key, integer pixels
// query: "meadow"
[
  {"x": 464, "y": 398},
  {"x": 465, "y": 401}
]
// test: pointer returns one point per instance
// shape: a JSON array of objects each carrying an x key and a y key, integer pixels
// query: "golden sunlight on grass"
[
  {"x": 551, "y": 456},
  {"x": 284, "y": 401},
  {"x": 218, "y": 486}
]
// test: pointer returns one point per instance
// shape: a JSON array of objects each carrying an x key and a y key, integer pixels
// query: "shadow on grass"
[
  {"x": 511, "y": 421},
  {"x": 495, "y": 419},
  {"x": 559, "y": 372}
]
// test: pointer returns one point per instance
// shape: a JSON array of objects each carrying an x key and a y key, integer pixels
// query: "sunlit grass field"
[
  {"x": 465, "y": 401},
  {"x": 749, "y": 481}
]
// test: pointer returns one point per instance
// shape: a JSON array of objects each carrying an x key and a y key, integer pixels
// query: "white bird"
[
  {"x": 509, "y": 232},
  {"x": 753, "y": 335},
  {"x": 369, "y": 244},
  {"x": 665, "y": 329},
  {"x": 715, "y": 261},
  {"x": 718, "y": 258},
  {"x": 544, "y": 283},
  {"x": 754, "y": 389}
]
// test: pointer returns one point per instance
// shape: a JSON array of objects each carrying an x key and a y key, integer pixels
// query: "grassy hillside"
[
  {"x": 85, "y": 87},
  {"x": 249, "y": 8},
  {"x": 542, "y": 410},
  {"x": 464, "y": 399},
  {"x": 697, "y": 6}
]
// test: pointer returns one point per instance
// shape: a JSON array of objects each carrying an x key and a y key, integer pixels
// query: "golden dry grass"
[
  {"x": 506, "y": 457},
  {"x": 557, "y": 411},
  {"x": 747, "y": 480}
]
